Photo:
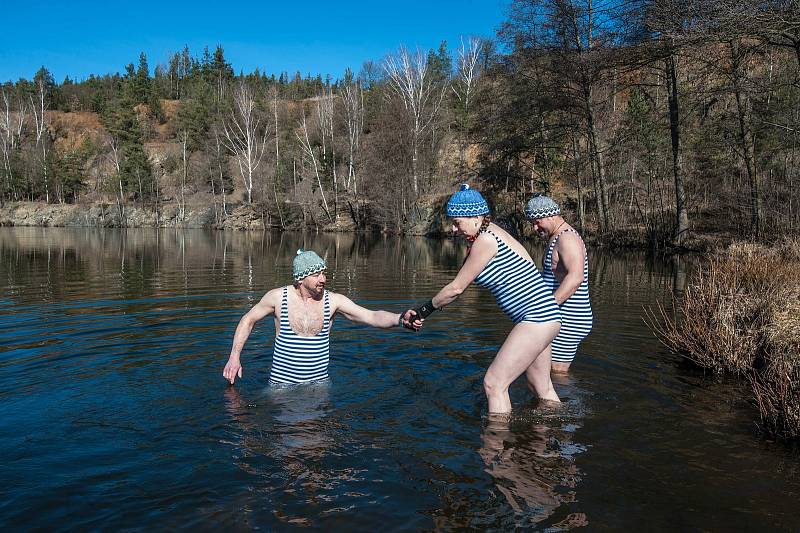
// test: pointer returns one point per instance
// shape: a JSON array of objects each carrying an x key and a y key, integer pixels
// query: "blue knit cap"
[
  {"x": 541, "y": 206},
  {"x": 467, "y": 202},
  {"x": 307, "y": 263}
]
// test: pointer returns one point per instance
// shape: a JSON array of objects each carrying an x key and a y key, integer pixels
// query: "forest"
[{"x": 652, "y": 121}]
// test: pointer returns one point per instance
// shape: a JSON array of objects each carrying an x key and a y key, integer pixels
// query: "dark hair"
[{"x": 485, "y": 224}]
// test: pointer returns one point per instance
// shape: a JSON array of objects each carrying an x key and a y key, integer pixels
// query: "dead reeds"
[{"x": 741, "y": 315}]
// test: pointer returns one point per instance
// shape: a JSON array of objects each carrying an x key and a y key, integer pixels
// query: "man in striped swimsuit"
[
  {"x": 565, "y": 269},
  {"x": 303, "y": 315}
]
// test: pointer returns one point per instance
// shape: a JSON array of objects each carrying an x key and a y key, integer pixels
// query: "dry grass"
[
  {"x": 741, "y": 315},
  {"x": 777, "y": 393},
  {"x": 789, "y": 249}
]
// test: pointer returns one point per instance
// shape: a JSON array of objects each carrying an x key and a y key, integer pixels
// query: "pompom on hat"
[
  {"x": 467, "y": 202},
  {"x": 541, "y": 206},
  {"x": 306, "y": 263}
]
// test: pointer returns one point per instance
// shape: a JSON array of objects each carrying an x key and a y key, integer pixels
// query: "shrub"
[{"x": 741, "y": 314}]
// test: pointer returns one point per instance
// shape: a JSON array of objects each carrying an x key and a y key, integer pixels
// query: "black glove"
[
  {"x": 410, "y": 324},
  {"x": 424, "y": 310}
]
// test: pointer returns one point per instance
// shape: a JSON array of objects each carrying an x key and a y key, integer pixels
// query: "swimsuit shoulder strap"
[
  {"x": 496, "y": 237},
  {"x": 558, "y": 235},
  {"x": 573, "y": 230},
  {"x": 284, "y": 304},
  {"x": 326, "y": 310}
]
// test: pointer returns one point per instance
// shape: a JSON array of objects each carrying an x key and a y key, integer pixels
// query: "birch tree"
[
  {"x": 411, "y": 79},
  {"x": 114, "y": 156},
  {"x": 38, "y": 109},
  {"x": 308, "y": 152},
  {"x": 11, "y": 124},
  {"x": 183, "y": 137},
  {"x": 5, "y": 146},
  {"x": 244, "y": 136},
  {"x": 274, "y": 101},
  {"x": 220, "y": 170},
  {"x": 467, "y": 71},
  {"x": 326, "y": 113},
  {"x": 353, "y": 99}
]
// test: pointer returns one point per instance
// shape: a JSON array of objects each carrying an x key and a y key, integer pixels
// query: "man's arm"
[
  {"x": 570, "y": 258},
  {"x": 361, "y": 315},
  {"x": 265, "y": 307}
]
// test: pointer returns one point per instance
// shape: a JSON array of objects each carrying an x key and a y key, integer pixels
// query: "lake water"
[{"x": 114, "y": 414}]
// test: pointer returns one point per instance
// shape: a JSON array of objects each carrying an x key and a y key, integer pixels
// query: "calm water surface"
[{"x": 114, "y": 414}]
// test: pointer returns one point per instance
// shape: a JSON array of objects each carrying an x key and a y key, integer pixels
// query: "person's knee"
[{"x": 492, "y": 384}]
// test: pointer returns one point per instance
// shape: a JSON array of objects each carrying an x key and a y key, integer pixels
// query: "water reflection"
[
  {"x": 680, "y": 271},
  {"x": 108, "y": 337},
  {"x": 50, "y": 264},
  {"x": 530, "y": 455},
  {"x": 283, "y": 440},
  {"x": 287, "y": 423}
]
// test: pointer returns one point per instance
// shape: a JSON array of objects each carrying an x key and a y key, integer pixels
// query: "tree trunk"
[
  {"x": 277, "y": 159},
  {"x": 182, "y": 210},
  {"x": 414, "y": 151},
  {"x": 581, "y": 208},
  {"x": 746, "y": 139},
  {"x": 597, "y": 169},
  {"x": 681, "y": 213}
]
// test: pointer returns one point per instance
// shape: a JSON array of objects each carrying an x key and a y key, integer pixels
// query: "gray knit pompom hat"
[
  {"x": 306, "y": 263},
  {"x": 541, "y": 206}
]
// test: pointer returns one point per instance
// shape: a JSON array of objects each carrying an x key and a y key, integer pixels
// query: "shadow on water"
[{"x": 114, "y": 414}]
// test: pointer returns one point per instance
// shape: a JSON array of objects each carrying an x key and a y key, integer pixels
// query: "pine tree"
[
  {"x": 193, "y": 117},
  {"x": 53, "y": 99},
  {"x": 120, "y": 121},
  {"x": 222, "y": 73},
  {"x": 141, "y": 81},
  {"x": 441, "y": 64}
]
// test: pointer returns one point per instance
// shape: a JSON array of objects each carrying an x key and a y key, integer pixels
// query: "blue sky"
[{"x": 78, "y": 38}]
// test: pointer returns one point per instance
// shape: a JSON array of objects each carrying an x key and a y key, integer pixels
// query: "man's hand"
[
  {"x": 232, "y": 370},
  {"x": 411, "y": 320}
]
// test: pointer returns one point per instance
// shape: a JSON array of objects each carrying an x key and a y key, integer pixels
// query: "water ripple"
[{"x": 114, "y": 414}]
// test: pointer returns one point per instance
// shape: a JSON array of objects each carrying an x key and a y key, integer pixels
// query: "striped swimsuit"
[
  {"x": 298, "y": 359},
  {"x": 576, "y": 312},
  {"x": 518, "y": 287}
]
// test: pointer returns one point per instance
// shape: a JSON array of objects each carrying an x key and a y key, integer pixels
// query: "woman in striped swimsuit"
[
  {"x": 303, "y": 315},
  {"x": 566, "y": 272},
  {"x": 495, "y": 260}
]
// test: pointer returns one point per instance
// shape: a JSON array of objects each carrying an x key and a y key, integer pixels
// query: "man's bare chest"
[{"x": 306, "y": 319}]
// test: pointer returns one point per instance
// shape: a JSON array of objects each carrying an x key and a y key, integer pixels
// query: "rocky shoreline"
[
  {"x": 240, "y": 218},
  {"x": 243, "y": 217},
  {"x": 427, "y": 220}
]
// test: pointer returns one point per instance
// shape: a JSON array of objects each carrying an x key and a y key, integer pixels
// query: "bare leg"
[
  {"x": 526, "y": 342},
  {"x": 561, "y": 368},
  {"x": 538, "y": 374}
]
